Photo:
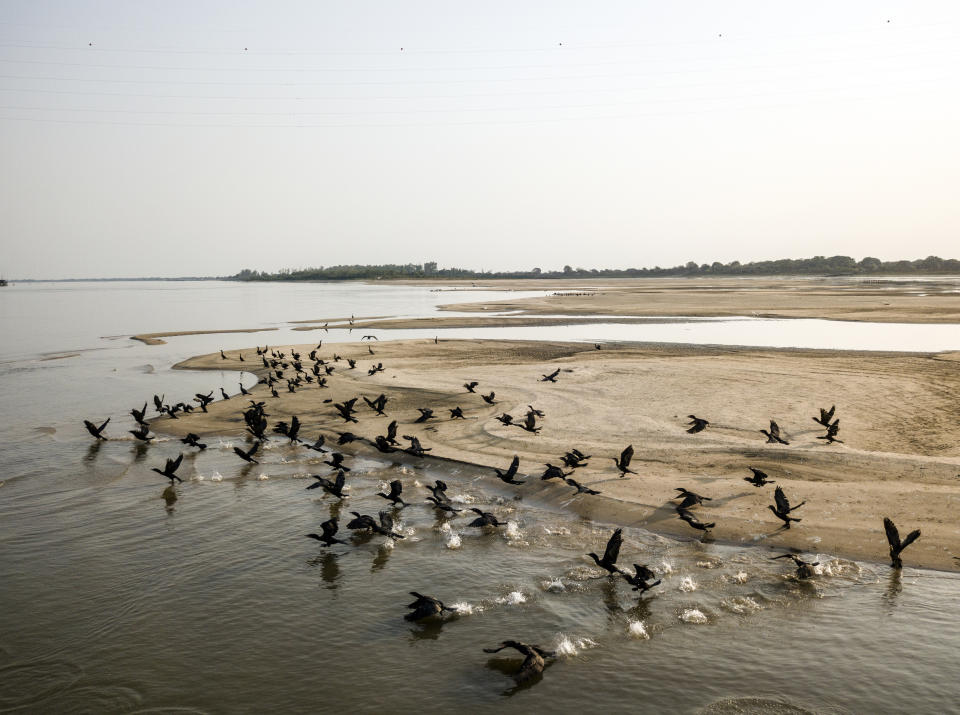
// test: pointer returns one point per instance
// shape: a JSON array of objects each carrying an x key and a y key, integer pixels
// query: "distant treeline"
[{"x": 818, "y": 265}]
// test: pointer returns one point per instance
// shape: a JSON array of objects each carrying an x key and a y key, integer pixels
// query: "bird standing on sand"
[{"x": 896, "y": 545}]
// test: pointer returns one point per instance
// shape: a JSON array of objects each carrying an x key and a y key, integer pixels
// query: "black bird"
[
  {"x": 140, "y": 415},
  {"x": 897, "y": 546},
  {"x": 574, "y": 459},
  {"x": 370, "y": 337},
  {"x": 204, "y": 400},
  {"x": 240, "y": 357},
  {"x": 694, "y": 521},
  {"x": 783, "y": 508},
  {"x": 385, "y": 527},
  {"x": 581, "y": 488},
  {"x": 142, "y": 433},
  {"x": 640, "y": 579},
  {"x": 623, "y": 464},
  {"x": 222, "y": 356},
  {"x": 533, "y": 661},
  {"x": 689, "y": 498},
  {"x": 346, "y": 411},
  {"x": 471, "y": 385},
  {"x": 832, "y": 430},
  {"x": 158, "y": 403},
  {"x": 552, "y": 377},
  {"x": 696, "y": 424},
  {"x": 804, "y": 568},
  {"x": 425, "y": 606},
  {"x": 346, "y": 437},
  {"x": 396, "y": 488},
  {"x": 489, "y": 398},
  {"x": 191, "y": 440},
  {"x": 552, "y": 472},
  {"x": 505, "y": 419},
  {"x": 96, "y": 431},
  {"x": 378, "y": 404},
  {"x": 534, "y": 411},
  {"x": 248, "y": 456},
  {"x": 329, "y": 528},
  {"x": 530, "y": 423},
  {"x": 224, "y": 394},
  {"x": 318, "y": 445},
  {"x": 511, "y": 472},
  {"x": 610, "y": 554},
  {"x": 439, "y": 491},
  {"x": 443, "y": 506},
  {"x": 415, "y": 448},
  {"x": 457, "y": 414},
  {"x": 169, "y": 470},
  {"x": 294, "y": 431},
  {"x": 330, "y": 487},
  {"x": 759, "y": 478},
  {"x": 774, "y": 434},
  {"x": 392, "y": 433},
  {"x": 825, "y": 416},
  {"x": 425, "y": 414},
  {"x": 485, "y": 518},
  {"x": 336, "y": 462},
  {"x": 351, "y": 363}
]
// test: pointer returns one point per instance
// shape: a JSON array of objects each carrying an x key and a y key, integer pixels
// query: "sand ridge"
[{"x": 899, "y": 422}]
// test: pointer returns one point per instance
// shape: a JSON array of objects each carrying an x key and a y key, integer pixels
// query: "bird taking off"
[{"x": 897, "y": 546}]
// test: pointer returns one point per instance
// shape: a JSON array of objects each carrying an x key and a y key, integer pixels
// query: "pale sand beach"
[{"x": 899, "y": 416}]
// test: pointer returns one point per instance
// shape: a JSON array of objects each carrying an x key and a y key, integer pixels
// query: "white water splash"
[
  {"x": 743, "y": 604},
  {"x": 687, "y": 584},
  {"x": 559, "y": 531},
  {"x": 462, "y": 499},
  {"x": 262, "y": 477},
  {"x": 694, "y": 615},
  {"x": 217, "y": 477},
  {"x": 512, "y": 532},
  {"x": 416, "y": 483},
  {"x": 708, "y": 564},
  {"x": 666, "y": 567},
  {"x": 638, "y": 630},
  {"x": 740, "y": 577},
  {"x": 569, "y": 646},
  {"x": 466, "y": 609},
  {"x": 514, "y": 598},
  {"x": 197, "y": 478},
  {"x": 555, "y": 586},
  {"x": 224, "y": 445}
]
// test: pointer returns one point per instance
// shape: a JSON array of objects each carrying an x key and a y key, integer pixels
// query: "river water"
[{"x": 113, "y": 600}]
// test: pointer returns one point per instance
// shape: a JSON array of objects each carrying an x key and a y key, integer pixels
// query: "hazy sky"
[{"x": 168, "y": 138}]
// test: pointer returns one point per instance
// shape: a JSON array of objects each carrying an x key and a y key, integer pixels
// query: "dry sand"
[
  {"x": 931, "y": 300},
  {"x": 899, "y": 416}
]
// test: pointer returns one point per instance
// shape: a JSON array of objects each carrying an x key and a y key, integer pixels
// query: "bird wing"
[
  {"x": 396, "y": 487},
  {"x": 514, "y": 465},
  {"x": 531, "y": 421},
  {"x": 910, "y": 538},
  {"x": 174, "y": 464},
  {"x": 386, "y": 521},
  {"x": 625, "y": 456},
  {"x": 783, "y": 504},
  {"x": 612, "y": 551},
  {"x": 893, "y": 536},
  {"x": 329, "y": 527},
  {"x": 774, "y": 429}
]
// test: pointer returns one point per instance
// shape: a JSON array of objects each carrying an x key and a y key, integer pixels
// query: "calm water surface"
[{"x": 113, "y": 600}]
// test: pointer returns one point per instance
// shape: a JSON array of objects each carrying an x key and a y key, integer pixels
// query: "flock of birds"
[{"x": 279, "y": 366}]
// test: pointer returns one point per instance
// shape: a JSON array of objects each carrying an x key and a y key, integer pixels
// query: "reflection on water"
[{"x": 124, "y": 594}]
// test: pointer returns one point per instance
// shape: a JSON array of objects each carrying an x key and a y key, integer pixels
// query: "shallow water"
[{"x": 114, "y": 600}]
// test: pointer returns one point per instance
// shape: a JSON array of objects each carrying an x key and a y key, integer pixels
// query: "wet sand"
[
  {"x": 899, "y": 416},
  {"x": 157, "y": 338},
  {"x": 931, "y": 300}
]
